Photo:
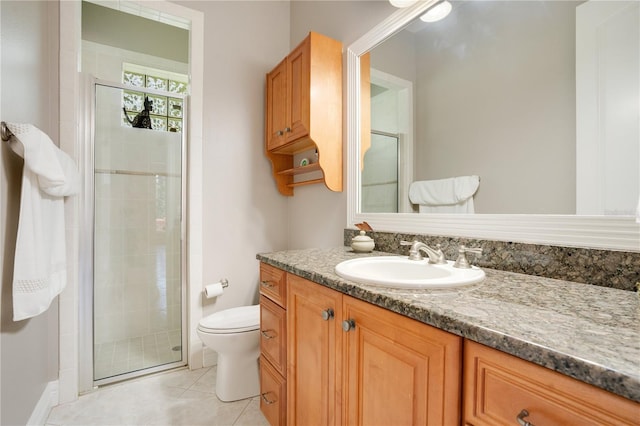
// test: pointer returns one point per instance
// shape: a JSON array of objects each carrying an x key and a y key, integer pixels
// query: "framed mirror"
[{"x": 543, "y": 134}]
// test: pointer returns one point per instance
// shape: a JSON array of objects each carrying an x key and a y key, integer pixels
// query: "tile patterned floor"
[
  {"x": 127, "y": 355},
  {"x": 178, "y": 397}
]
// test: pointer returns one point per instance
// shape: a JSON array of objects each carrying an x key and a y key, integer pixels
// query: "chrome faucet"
[{"x": 435, "y": 256}]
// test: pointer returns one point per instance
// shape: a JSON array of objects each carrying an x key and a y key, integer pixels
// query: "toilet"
[{"x": 234, "y": 335}]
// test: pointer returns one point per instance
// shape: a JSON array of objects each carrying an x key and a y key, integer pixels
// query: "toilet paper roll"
[{"x": 213, "y": 290}]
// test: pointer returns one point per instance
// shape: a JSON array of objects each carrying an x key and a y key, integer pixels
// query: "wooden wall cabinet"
[
  {"x": 273, "y": 340},
  {"x": 304, "y": 112},
  {"x": 350, "y": 362},
  {"x": 500, "y": 388}
]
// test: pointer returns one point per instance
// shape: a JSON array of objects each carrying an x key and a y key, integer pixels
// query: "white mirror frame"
[{"x": 598, "y": 232}]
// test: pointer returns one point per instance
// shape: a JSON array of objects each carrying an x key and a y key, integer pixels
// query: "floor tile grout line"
[{"x": 248, "y": 400}]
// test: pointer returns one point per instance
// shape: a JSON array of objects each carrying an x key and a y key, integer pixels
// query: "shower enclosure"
[
  {"x": 380, "y": 174},
  {"x": 137, "y": 285}
]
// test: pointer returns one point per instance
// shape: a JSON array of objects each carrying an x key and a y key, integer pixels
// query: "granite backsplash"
[{"x": 606, "y": 268}]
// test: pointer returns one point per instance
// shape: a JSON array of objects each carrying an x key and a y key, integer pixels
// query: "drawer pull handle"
[
  {"x": 348, "y": 325},
  {"x": 520, "y": 418},
  {"x": 327, "y": 314},
  {"x": 266, "y": 400},
  {"x": 267, "y": 284},
  {"x": 266, "y": 335}
]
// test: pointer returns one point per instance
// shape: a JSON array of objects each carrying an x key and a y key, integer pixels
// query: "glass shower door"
[
  {"x": 137, "y": 281},
  {"x": 380, "y": 174}
]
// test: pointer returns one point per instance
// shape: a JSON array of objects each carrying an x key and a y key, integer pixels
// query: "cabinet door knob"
[
  {"x": 279, "y": 133},
  {"x": 266, "y": 400},
  {"x": 520, "y": 418},
  {"x": 287, "y": 129},
  {"x": 348, "y": 325},
  {"x": 327, "y": 314}
]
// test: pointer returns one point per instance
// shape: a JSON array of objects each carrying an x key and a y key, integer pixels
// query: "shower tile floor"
[
  {"x": 134, "y": 354},
  {"x": 177, "y": 397}
]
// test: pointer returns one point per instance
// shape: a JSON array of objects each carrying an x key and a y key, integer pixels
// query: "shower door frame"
[{"x": 86, "y": 356}]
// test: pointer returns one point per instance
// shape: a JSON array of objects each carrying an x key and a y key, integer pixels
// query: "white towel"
[
  {"x": 40, "y": 267},
  {"x": 451, "y": 195}
]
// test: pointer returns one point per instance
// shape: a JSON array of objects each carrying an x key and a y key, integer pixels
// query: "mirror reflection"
[{"x": 538, "y": 100}]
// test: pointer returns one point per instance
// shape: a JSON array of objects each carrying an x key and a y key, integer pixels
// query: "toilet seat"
[{"x": 233, "y": 320}]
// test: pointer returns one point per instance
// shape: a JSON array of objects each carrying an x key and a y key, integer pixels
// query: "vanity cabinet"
[
  {"x": 273, "y": 340},
  {"x": 501, "y": 389},
  {"x": 350, "y": 362},
  {"x": 304, "y": 113}
]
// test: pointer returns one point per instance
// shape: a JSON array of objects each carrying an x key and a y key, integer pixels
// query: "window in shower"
[{"x": 167, "y": 110}]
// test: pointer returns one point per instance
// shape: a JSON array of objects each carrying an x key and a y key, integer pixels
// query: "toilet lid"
[{"x": 233, "y": 320}]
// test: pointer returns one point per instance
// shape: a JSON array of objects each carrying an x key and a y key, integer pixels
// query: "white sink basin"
[{"x": 400, "y": 272}]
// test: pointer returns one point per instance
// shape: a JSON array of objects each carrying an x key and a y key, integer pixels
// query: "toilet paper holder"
[{"x": 214, "y": 290}]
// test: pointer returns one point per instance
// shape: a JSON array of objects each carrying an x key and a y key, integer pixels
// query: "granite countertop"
[{"x": 588, "y": 332}]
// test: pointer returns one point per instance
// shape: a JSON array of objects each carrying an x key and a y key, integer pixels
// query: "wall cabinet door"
[
  {"x": 314, "y": 350},
  {"x": 298, "y": 91},
  {"x": 288, "y": 86},
  {"x": 397, "y": 370},
  {"x": 276, "y": 106}
]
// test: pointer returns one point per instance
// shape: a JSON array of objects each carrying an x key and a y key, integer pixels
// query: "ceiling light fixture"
[
  {"x": 402, "y": 3},
  {"x": 437, "y": 12}
]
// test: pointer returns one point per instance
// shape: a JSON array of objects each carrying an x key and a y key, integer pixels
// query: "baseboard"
[{"x": 47, "y": 401}]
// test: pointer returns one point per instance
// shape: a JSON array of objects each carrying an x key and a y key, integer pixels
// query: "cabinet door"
[
  {"x": 298, "y": 91},
  {"x": 276, "y": 108},
  {"x": 499, "y": 387},
  {"x": 314, "y": 348},
  {"x": 397, "y": 370}
]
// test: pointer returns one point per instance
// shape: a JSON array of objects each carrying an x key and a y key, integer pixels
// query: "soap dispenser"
[{"x": 362, "y": 243}]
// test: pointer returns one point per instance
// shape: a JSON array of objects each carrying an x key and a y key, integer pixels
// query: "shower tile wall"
[{"x": 137, "y": 286}]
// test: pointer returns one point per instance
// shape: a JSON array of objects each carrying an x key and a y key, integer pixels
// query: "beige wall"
[
  {"x": 496, "y": 98},
  {"x": 243, "y": 214},
  {"x": 317, "y": 216},
  {"x": 28, "y": 93}
]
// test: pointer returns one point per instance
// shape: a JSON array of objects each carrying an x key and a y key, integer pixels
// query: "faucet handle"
[
  {"x": 462, "y": 261},
  {"x": 414, "y": 253}
]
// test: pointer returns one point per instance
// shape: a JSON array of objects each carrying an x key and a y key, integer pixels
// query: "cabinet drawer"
[
  {"x": 498, "y": 386},
  {"x": 273, "y": 334},
  {"x": 273, "y": 394},
  {"x": 273, "y": 284}
]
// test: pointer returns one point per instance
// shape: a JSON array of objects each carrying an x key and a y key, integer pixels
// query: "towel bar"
[{"x": 5, "y": 132}]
